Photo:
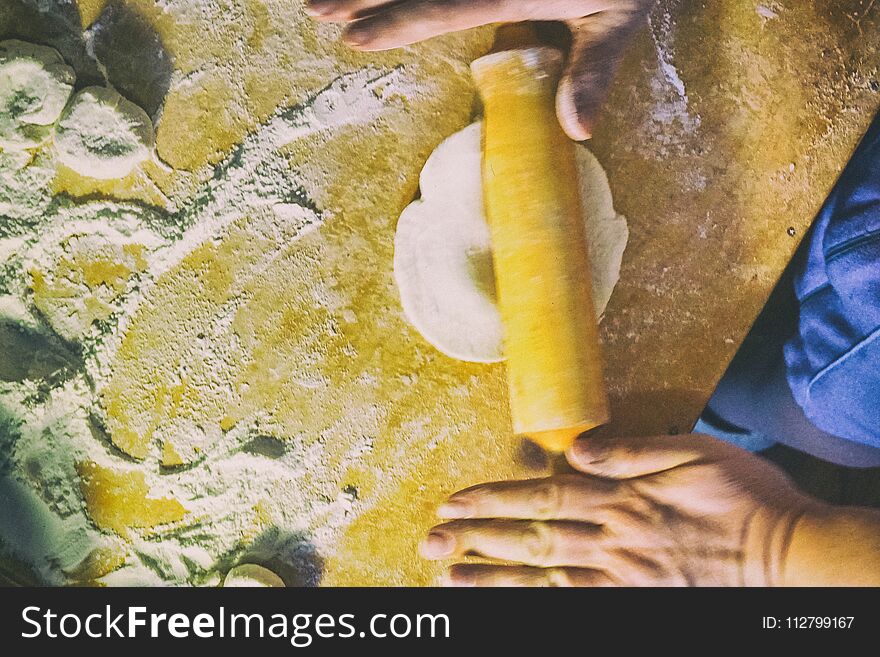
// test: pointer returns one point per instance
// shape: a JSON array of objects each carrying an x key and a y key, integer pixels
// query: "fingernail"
[
  {"x": 579, "y": 449},
  {"x": 599, "y": 450},
  {"x": 570, "y": 117},
  {"x": 320, "y": 7},
  {"x": 437, "y": 545},
  {"x": 358, "y": 35},
  {"x": 586, "y": 450},
  {"x": 455, "y": 509}
]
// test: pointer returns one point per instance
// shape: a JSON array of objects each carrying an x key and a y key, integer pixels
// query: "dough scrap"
[
  {"x": 102, "y": 135},
  {"x": 443, "y": 258},
  {"x": 35, "y": 84},
  {"x": 250, "y": 575}
]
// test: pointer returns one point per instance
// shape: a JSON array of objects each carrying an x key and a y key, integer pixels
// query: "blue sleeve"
[{"x": 833, "y": 362}]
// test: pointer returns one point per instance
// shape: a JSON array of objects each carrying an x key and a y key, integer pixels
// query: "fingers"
[
  {"x": 524, "y": 576},
  {"x": 598, "y": 43},
  {"x": 601, "y": 29},
  {"x": 385, "y": 25},
  {"x": 627, "y": 458},
  {"x": 405, "y": 23},
  {"x": 343, "y": 10},
  {"x": 489, "y": 11},
  {"x": 564, "y": 497},
  {"x": 545, "y": 544}
]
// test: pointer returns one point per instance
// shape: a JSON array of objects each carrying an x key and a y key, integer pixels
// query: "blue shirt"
[{"x": 833, "y": 362}]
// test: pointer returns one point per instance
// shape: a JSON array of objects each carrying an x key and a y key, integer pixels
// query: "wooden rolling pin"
[{"x": 530, "y": 182}]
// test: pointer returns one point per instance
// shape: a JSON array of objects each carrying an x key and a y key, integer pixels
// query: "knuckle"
[
  {"x": 634, "y": 501},
  {"x": 629, "y": 492},
  {"x": 548, "y": 499},
  {"x": 538, "y": 543},
  {"x": 627, "y": 514}
]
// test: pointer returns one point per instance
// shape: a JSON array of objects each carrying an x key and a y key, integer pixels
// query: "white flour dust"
[
  {"x": 671, "y": 120},
  {"x": 50, "y": 419}
]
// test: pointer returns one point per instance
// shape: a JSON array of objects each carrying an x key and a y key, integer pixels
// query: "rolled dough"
[
  {"x": 103, "y": 135},
  {"x": 35, "y": 84},
  {"x": 252, "y": 576},
  {"x": 443, "y": 256}
]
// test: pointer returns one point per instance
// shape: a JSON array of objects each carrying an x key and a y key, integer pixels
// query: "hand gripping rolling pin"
[{"x": 530, "y": 182}]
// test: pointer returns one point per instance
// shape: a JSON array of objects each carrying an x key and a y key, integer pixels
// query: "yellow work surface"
[
  {"x": 725, "y": 129},
  {"x": 724, "y": 133}
]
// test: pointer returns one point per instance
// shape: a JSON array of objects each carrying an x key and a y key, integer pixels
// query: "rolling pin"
[{"x": 542, "y": 272}]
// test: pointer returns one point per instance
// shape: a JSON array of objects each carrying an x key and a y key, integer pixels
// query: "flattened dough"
[
  {"x": 103, "y": 135},
  {"x": 443, "y": 257},
  {"x": 252, "y": 576},
  {"x": 35, "y": 84}
]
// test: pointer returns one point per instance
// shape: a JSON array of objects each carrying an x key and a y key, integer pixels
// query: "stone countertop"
[
  {"x": 726, "y": 129},
  {"x": 727, "y": 126}
]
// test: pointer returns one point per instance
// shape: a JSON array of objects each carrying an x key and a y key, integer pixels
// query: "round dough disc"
[
  {"x": 35, "y": 84},
  {"x": 250, "y": 575},
  {"x": 103, "y": 135},
  {"x": 443, "y": 257}
]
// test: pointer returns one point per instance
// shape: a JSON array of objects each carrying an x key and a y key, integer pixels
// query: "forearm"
[{"x": 834, "y": 546}]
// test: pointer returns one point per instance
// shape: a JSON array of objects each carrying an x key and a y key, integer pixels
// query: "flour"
[
  {"x": 24, "y": 190},
  {"x": 13, "y": 310},
  {"x": 671, "y": 120},
  {"x": 766, "y": 13},
  {"x": 75, "y": 272},
  {"x": 103, "y": 135},
  {"x": 41, "y": 518}
]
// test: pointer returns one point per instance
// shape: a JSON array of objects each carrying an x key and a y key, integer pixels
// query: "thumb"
[
  {"x": 598, "y": 43},
  {"x": 627, "y": 458}
]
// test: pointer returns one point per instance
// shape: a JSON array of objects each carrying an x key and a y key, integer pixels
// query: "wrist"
[
  {"x": 767, "y": 543},
  {"x": 833, "y": 546}
]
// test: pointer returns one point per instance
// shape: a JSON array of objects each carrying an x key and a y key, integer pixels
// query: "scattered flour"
[
  {"x": 671, "y": 119},
  {"x": 41, "y": 516},
  {"x": 24, "y": 190},
  {"x": 766, "y": 13},
  {"x": 76, "y": 271}
]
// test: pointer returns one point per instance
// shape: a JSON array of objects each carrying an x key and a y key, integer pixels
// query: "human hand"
[
  {"x": 600, "y": 31},
  {"x": 655, "y": 511}
]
